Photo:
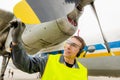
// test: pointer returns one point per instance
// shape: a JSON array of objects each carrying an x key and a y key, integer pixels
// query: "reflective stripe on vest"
[{"x": 58, "y": 71}]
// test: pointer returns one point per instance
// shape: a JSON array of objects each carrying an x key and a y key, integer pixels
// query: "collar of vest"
[{"x": 61, "y": 60}]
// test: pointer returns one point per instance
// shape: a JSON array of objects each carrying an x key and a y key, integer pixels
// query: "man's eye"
[{"x": 73, "y": 44}]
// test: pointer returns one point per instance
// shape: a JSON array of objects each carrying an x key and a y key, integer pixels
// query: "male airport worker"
[{"x": 52, "y": 67}]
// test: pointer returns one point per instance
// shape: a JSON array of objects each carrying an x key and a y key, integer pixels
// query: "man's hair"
[{"x": 81, "y": 41}]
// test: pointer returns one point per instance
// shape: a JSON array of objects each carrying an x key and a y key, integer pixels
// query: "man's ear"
[{"x": 80, "y": 51}]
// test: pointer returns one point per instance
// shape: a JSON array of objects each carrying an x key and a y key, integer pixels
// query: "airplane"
[{"x": 47, "y": 32}]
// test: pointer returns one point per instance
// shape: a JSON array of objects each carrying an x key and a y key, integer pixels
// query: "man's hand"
[{"x": 17, "y": 30}]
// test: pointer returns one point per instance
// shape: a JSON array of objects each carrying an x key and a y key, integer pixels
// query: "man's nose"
[{"x": 69, "y": 46}]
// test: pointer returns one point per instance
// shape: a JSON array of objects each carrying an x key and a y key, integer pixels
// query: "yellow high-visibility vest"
[{"x": 55, "y": 70}]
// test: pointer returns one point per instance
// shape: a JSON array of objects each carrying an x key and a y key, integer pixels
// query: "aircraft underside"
[{"x": 102, "y": 66}]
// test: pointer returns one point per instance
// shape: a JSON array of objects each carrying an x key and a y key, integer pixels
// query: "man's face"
[{"x": 71, "y": 48}]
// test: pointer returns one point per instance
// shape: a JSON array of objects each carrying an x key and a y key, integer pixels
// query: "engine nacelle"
[{"x": 47, "y": 34}]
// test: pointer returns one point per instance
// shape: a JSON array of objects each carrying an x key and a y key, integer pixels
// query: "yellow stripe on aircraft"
[
  {"x": 101, "y": 54},
  {"x": 23, "y": 11}
]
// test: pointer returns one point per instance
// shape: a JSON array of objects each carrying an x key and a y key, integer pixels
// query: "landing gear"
[{"x": 5, "y": 62}]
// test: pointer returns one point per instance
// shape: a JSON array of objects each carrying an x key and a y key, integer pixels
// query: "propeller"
[{"x": 104, "y": 38}]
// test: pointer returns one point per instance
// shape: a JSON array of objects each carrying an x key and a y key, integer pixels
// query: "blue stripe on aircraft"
[{"x": 115, "y": 44}]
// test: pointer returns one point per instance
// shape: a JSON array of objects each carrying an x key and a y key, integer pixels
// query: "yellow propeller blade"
[{"x": 23, "y": 11}]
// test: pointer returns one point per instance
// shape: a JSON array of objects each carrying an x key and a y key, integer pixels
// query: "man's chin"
[{"x": 66, "y": 55}]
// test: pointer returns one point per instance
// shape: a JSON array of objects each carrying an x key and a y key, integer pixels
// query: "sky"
[
  {"x": 109, "y": 16},
  {"x": 8, "y": 4}
]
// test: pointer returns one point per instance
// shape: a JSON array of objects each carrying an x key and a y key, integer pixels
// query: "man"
[{"x": 52, "y": 67}]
